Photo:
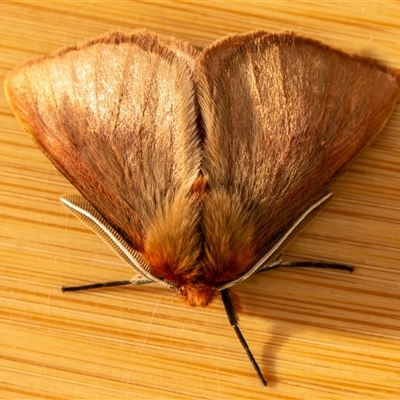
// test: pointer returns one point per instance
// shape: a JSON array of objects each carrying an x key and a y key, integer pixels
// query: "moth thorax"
[{"x": 197, "y": 294}]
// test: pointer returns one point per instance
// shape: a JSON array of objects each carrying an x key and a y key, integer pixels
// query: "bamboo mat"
[{"x": 316, "y": 334}]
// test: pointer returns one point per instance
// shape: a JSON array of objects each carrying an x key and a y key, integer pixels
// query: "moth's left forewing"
[
  {"x": 284, "y": 116},
  {"x": 117, "y": 115}
]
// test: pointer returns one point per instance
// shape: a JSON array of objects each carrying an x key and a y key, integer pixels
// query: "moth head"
[{"x": 197, "y": 294}]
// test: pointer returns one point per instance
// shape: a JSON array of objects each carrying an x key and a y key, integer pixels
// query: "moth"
[{"x": 199, "y": 167}]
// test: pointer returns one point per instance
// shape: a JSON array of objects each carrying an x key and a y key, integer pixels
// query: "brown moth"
[{"x": 199, "y": 167}]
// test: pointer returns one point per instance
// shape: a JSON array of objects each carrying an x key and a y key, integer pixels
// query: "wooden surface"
[{"x": 316, "y": 334}]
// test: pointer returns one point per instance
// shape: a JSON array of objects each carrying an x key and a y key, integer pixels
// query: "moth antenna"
[
  {"x": 268, "y": 258},
  {"x": 86, "y": 213},
  {"x": 230, "y": 312},
  {"x": 139, "y": 281},
  {"x": 307, "y": 264}
]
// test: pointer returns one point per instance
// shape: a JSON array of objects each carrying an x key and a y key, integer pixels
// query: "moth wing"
[
  {"x": 284, "y": 116},
  {"x": 117, "y": 116}
]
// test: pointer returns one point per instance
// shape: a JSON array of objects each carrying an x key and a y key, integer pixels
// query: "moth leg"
[
  {"x": 230, "y": 312},
  {"x": 133, "y": 281},
  {"x": 306, "y": 264}
]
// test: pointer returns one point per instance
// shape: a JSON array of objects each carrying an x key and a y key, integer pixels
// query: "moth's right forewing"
[
  {"x": 118, "y": 117},
  {"x": 284, "y": 116}
]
